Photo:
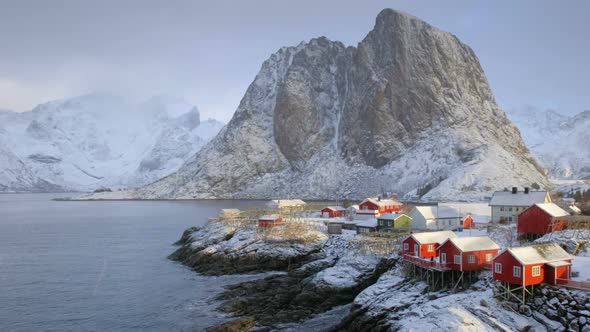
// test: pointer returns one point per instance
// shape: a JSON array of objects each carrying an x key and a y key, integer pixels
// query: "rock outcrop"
[
  {"x": 408, "y": 108},
  {"x": 218, "y": 248}
]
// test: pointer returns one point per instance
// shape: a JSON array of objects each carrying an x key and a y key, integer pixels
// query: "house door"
[
  {"x": 416, "y": 250},
  {"x": 443, "y": 258}
]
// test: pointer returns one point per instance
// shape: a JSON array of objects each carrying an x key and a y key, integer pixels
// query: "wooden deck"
[
  {"x": 425, "y": 263},
  {"x": 574, "y": 284}
]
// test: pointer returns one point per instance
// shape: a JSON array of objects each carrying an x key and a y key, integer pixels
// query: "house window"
[
  {"x": 502, "y": 209},
  {"x": 471, "y": 259},
  {"x": 430, "y": 247},
  {"x": 516, "y": 271},
  {"x": 457, "y": 259},
  {"x": 498, "y": 267},
  {"x": 406, "y": 247},
  {"x": 488, "y": 257},
  {"x": 536, "y": 271},
  {"x": 509, "y": 209},
  {"x": 416, "y": 249},
  {"x": 443, "y": 258},
  {"x": 390, "y": 223},
  {"x": 509, "y": 218}
]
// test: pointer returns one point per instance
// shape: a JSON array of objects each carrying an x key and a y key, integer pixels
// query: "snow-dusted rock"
[
  {"x": 94, "y": 141},
  {"x": 218, "y": 248},
  {"x": 409, "y": 107}
]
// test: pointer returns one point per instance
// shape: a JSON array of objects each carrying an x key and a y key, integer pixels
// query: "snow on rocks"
[
  {"x": 395, "y": 303},
  {"x": 218, "y": 248},
  {"x": 574, "y": 240}
]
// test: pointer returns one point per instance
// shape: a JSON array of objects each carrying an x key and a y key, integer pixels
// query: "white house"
[
  {"x": 506, "y": 205},
  {"x": 286, "y": 203},
  {"x": 435, "y": 218}
]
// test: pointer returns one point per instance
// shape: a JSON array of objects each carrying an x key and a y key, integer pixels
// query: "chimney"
[
  {"x": 379, "y": 198},
  {"x": 514, "y": 190},
  {"x": 526, "y": 190}
]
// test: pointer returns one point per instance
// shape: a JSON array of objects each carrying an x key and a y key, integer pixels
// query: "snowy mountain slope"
[
  {"x": 409, "y": 107},
  {"x": 558, "y": 141},
  {"x": 96, "y": 140}
]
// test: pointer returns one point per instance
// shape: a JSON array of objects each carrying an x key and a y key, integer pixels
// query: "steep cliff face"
[{"x": 408, "y": 108}]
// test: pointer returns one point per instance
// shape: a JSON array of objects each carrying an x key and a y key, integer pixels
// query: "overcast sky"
[{"x": 533, "y": 52}]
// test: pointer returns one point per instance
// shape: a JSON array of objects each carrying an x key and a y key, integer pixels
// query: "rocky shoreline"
[{"x": 324, "y": 273}]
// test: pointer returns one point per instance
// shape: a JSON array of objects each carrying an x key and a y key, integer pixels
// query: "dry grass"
[
  {"x": 380, "y": 244},
  {"x": 293, "y": 231}
]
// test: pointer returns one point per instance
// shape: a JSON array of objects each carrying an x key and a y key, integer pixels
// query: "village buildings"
[
  {"x": 268, "y": 221},
  {"x": 393, "y": 221},
  {"x": 532, "y": 265},
  {"x": 435, "y": 218},
  {"x": 506, "y": 205},
  {"x": 425, "y": 245},
  {"x": 333, "y": 212},
  {"x": 366, "y": 226},
  {"x": 540, "y": 219},
  {"x": 376, "y": 206},
  {"x": 471, "y": 253}
]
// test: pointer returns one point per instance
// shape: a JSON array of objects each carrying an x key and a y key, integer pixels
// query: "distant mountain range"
[
  {"x": 558, "y": 141},
  {"x": 93, "y": 141},
  {"x": 408, "y": 110}
]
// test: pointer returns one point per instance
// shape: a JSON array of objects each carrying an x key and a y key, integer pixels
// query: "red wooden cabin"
[
  {"x": 468, "y": 222},
  {"x": 333, "y": 212},
  {"x": 468, "y": 253},
  {"x": 532, "y": 265},
  {"x": 540, "y": 219},
  {"x": 425, "y": 245},
  {"x": 377, "y": 206},
  {"x": 269, "y": 221}
]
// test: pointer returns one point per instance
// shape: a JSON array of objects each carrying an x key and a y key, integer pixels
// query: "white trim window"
[
  {"x": 536, "y": 271},
  {"x": 443, "y": 258},
  {"x": 498, "y": 267},
  {"x": 406, "y": 246},
  {"x": 516, "y": 271},
  {"x": 489, "y": 257},
  {"x": 457, "y": 259},
  {"x": 430, "y": 247},
  {"x": 471, "y": 259}
]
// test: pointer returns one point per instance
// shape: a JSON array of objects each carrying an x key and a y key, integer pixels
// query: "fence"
[{"x": 425, "y": 263}]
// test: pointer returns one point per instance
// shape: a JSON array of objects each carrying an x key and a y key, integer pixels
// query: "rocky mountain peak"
[{"x": 409, "y": 107}]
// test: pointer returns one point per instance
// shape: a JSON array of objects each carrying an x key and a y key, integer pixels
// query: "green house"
[{"x": 390, "y": 221}]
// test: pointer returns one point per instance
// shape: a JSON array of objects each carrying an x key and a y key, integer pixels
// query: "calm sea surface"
[{"x": 101, "y": 266}]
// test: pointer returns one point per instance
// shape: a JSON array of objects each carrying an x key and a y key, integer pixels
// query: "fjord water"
[{"x": 101, "y": 266}]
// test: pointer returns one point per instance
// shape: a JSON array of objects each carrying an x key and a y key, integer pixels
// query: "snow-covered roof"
[
  {"x": 559, "y": 263},
  {"x": 391, "y": 216},
  {"x": 355, "y": 207},
  {"x": 507, "y": 198},
  {"x": 433, "y": 237},
  {"x": 437, "y": 212},
  {"x": 539, "y": 253},
  {"x": 335, "y": 208},
  {"x": 367, "y": 223},
  {"x": 269, "y": 217},
  {"x": 381, "y": 202},
  {"x": 552, "y": 209},
  {"x": 281, "y": 203},
  {"x": 474, "y": 243}
]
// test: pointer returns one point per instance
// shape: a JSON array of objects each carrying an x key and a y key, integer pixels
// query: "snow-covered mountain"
[
  {"x": 98, "y": 140},
  {"x": 408, "y": 108},
  {"x": 558, "y": 141}
]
